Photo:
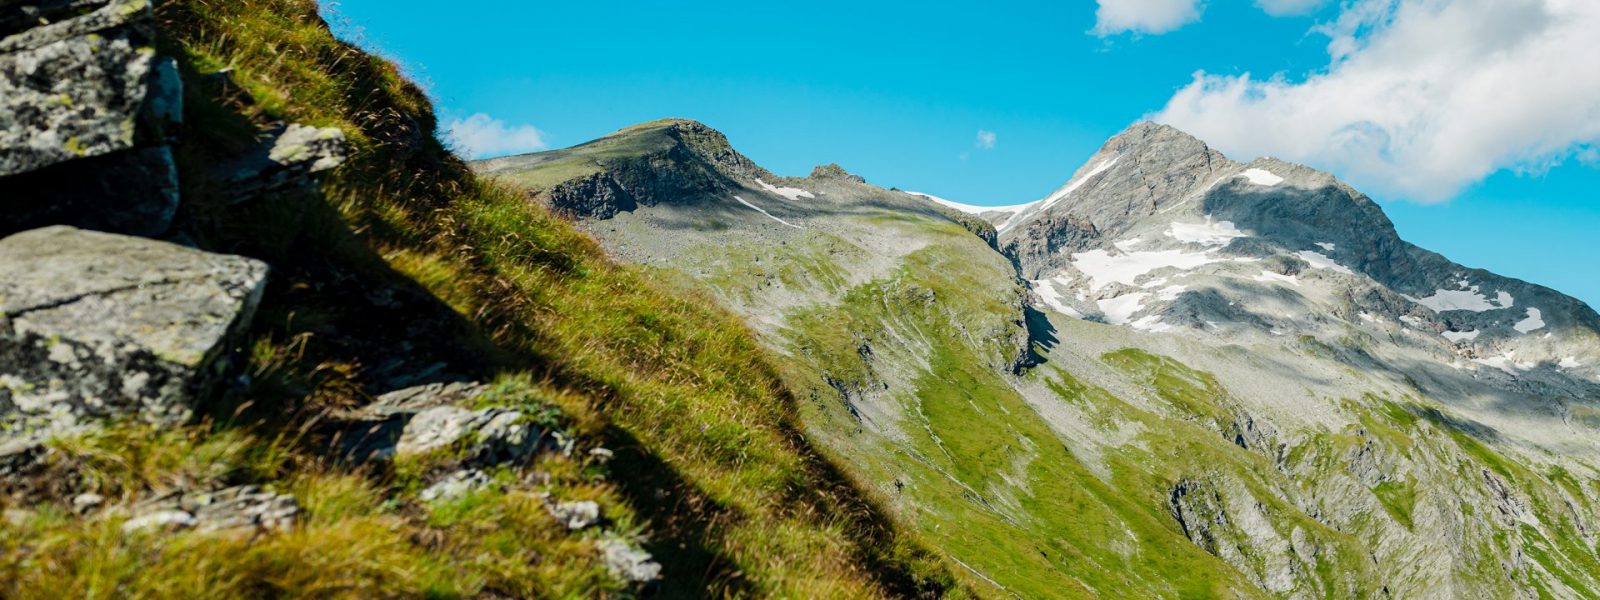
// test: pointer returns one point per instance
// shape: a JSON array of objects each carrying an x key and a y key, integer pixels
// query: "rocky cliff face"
[{"x": 1250, "y": 372}]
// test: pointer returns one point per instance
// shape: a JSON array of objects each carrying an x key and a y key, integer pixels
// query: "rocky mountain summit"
[
  {"x": 1156, "y": 209},
  {"x": 1252, "y": 375}
]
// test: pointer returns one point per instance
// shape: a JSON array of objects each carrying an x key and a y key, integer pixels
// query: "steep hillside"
[
  {"x": 1157, "y": 381},
  {"x": 315, "y": 356}
]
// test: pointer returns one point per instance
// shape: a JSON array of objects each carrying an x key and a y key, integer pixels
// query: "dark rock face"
[
  {"x": 698, "y": 165},
  {"x": 96, "y": 325},
  {"x": 597, "y": 196},
  {"x": 1046, "y": 243},
  {"x": 133, "y": 192},
  {"x": 1199, "y": 512},
  {"x": 88, "y": 85}
]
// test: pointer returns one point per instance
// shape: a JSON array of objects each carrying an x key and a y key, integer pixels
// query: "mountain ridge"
[{"x": 1228, "y": 370}]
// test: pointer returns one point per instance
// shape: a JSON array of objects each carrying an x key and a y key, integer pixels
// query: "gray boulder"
[
  {"x": 95, "y": 325},
  {"x": 86, "y": 108},
  {"x": 75, "y": 88}
]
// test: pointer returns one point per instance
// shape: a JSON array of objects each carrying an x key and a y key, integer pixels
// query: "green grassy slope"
[
  {"x": 1046, "y": 483},
  {"x": 710, "y": 470}
]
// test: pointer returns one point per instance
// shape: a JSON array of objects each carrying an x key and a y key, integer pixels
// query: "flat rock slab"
[{"x": 95, "y": 325}]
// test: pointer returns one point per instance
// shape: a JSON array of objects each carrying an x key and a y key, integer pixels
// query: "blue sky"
[{"x": 998, "y": 103}]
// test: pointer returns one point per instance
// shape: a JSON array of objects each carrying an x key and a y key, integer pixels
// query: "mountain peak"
[{"x": 834, "y": 171}]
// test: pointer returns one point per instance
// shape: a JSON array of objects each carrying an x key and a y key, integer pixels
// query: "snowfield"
[
  {"x": 786, "y": 192},
  {"x": 1261, "y": 177},
  {"x": 1210, "y": 233},
  {"x": 1465, "y": 299},
  {"x": 1103, "y": 269}
]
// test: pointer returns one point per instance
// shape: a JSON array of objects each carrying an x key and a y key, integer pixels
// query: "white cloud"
[
  {"x": 1283, "y": 8},
  {"x": 1421, "y": 97},
  {"x": 986, "y": 140},
  {"x": 480, "y": 136},
  {"x": 1144, "y": 16}
]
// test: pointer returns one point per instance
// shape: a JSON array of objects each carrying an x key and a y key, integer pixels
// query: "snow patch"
[
  {"x": 1534, "y": 322},
  {"x": 764, "y": 212},
  {"x": 1103, "y": 269},
  {"x": 1127, "y": 245},
  {"x": 1463, "y": 299},
  {"x": 1318, "y": 260},
  {"x": 1171, "y": 292},
  {"x": 969, "y": 208},
  {"x": 1151, "y": 323},
  {"x": 1457, "y": 336},
  {"x": 1505, "y": 362},
  {"x": 1569, "y": 363},
  {"x": 1327, "y": 246},
  {"x": 1119, "y": 310},
  {"x": 786, "y": 192},
  {"x": 1261, "y": 177},
  {"x": 1052, "y": 297},
  {"x": 1209, "y": 233}
]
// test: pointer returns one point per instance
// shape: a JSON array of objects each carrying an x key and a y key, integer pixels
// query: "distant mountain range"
[{"x": 1177, "y": 375}]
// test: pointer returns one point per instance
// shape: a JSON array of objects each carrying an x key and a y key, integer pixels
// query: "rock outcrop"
[{"x": 96, "y": 325}]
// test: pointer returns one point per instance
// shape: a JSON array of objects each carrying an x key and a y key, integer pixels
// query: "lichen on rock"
[{"x": 96, "y": 325}]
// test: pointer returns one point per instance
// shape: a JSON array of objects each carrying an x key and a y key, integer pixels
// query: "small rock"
[
  {"x": 455, "y": 485},
  {"x": 286, "y": 162},
  {"x": 436, "y": 428},
  {"x": 86, "y": 501},
  {"x": 242, "y": 507},
  {"x": 165, "y": 519},
  {"x": 317, "y": 149},
  {"x": 576, "y": 515},
  {"x": 627, "y": 561},
  {"x": 245, "y": 507}
]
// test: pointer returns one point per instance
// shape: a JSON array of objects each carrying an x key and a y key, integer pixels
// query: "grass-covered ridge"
[{"x": 710, "y": 472}]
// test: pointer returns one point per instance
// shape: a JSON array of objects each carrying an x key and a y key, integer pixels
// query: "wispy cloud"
[
  {"x": 1144, "y": 16},
  {"x": 482, "y": 136},
  {"x": 1421, "y": 97},
  {"x": 985, "y": 140},
  {"x": 1284, "y": 8}
]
